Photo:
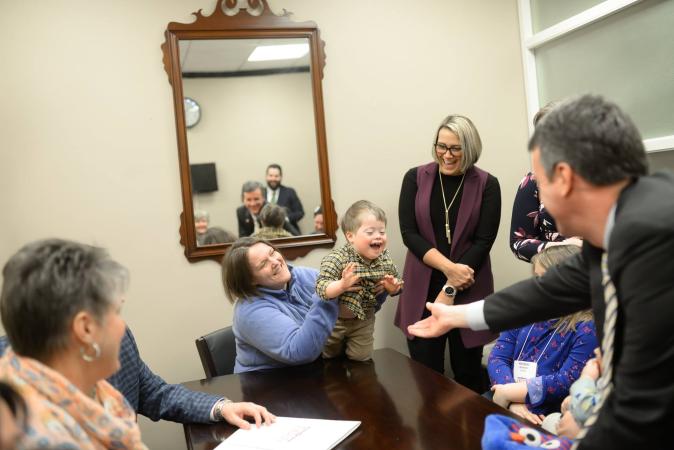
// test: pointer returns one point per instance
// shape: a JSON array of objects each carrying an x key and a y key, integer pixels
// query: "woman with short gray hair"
[
  {"x": 60, "y": 306},
  {"x": 449, "y": 213}
]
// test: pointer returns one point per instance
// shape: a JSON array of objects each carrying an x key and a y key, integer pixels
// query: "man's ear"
[{"x": 564, "y": 176}]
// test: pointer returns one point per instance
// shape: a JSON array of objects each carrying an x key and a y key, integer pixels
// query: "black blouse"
[{"x": 485, "y": 232}]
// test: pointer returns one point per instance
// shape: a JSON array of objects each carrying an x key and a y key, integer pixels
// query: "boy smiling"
[{"x": 358, "y": 273}]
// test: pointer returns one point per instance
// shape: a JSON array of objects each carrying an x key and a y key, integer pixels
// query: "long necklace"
[{"x": 448, "y": 233}]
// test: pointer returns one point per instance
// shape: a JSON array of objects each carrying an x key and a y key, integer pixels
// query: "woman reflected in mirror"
[{"x": 201, "y": 219}]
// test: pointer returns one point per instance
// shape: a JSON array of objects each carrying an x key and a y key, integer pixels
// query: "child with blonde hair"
[
  {"x": 358, "y": 273},
  {"x": 531, "y": 368}
]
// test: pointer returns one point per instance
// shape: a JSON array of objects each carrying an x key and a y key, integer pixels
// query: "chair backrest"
[{"x": 217, "y": 351}]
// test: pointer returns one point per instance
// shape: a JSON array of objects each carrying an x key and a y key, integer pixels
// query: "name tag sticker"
[{"x": 524, "y": 370}]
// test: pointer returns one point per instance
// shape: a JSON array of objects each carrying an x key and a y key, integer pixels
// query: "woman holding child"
[
  {"x": 449, "y": 213},
  {"x": 279, "y": 320}
]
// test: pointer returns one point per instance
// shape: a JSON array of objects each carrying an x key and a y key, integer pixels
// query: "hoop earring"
[{"x": 89, "y": 358}]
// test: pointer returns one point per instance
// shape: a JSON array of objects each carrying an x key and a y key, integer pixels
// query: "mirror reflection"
[{"x": 251, "y": 137}]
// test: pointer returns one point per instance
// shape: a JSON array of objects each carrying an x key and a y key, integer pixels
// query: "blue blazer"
[{"x": 148, "y": 393}]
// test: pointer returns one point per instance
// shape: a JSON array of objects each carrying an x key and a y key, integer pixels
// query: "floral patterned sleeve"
[
  {"x": 554, "y": 387},
  {"x": 531, "y": 228},
  {"x": 500, "y": 362}
]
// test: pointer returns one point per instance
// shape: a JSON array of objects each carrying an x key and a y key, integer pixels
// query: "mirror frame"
[{"x": 247, "y": 19}]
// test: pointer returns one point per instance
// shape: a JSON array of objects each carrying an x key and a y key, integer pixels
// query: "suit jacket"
[
  {"x": 149, "y": 394},
  {"x": 639, "y": 413},
  {"x": 247, "y": 226},
  {"x": 287, "y": 197}
]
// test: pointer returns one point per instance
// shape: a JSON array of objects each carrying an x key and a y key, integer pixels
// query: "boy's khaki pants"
[{"x": 354, "y": 334}]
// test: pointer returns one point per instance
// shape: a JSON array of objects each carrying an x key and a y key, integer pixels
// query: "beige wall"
[
  {"x": 248, "y": 123},
  {"x": 89, "y": 147}
]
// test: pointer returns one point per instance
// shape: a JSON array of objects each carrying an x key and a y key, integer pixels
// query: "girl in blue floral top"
[{"x": 531, "y": 368}]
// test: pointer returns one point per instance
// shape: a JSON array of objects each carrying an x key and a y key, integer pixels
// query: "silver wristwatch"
[{"x": 449, "y": 290}]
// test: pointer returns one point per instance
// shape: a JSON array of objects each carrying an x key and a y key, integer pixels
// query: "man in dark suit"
[
  {"x": 155, "y": 399},
  {"x": 283, "y": 195},
  {"x": 591, "y": 168},
  {"x": 247, "y": 215}
]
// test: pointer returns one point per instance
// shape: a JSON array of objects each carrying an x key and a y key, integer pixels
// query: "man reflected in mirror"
[
  {"x": 248, "y": 214},
  {"x": 283, "y": 195}
]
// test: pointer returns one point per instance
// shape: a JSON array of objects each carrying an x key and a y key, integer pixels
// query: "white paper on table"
[{"x": 291, "y": 433}]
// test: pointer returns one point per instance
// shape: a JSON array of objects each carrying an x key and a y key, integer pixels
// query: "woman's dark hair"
[
  {"x": 46, "y": 283},
  {"x": 237, "y": 275}
]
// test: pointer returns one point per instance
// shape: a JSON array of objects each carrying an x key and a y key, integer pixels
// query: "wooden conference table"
[{"x": 401, "y": 403}]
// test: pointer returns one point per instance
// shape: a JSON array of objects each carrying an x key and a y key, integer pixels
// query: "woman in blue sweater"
[
  {"x": 531, "y": 368},
  {"x": 278, "y": 318}
]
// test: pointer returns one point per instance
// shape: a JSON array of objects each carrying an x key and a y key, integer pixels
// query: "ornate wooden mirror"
[{"x": 247, "y": 94}]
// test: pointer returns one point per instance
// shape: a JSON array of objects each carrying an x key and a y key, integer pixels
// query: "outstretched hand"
[{"x": 442, "y": 319}]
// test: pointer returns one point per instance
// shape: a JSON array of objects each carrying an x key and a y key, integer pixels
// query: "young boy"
[
  {"x": 358, "y": 273},
  {"x": 584, "y": 395}
]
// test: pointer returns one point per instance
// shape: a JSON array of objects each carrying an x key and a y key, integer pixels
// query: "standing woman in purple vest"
[{"x": 449, "y": 213}]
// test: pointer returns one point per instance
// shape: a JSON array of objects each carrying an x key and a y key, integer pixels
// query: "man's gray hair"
[
  {"x": 251, "y": 186},
  {"x": 46, "y": 283},
  {"x": 595, "y": 137}
]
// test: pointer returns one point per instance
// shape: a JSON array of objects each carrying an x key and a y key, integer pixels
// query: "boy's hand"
[
  {"x": 565, "y": 404},
  {"x": 567, "y": 426},
  {"x": 345, "y": 284},
  {"x": 391, "y": 284},
  {"x": 591, "y": 369},
  {"x": 349, "y": 278}
]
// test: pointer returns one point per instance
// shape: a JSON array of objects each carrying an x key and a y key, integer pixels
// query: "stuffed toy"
[{"x": 504, "y": 433}]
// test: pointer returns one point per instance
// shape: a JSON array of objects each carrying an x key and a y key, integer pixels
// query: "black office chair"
[{"x": 217, "y": 351}]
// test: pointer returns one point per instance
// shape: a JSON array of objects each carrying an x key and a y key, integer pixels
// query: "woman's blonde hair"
[
  {"x": 553, "y": 256},
  {"x": 471, "y": 144}
]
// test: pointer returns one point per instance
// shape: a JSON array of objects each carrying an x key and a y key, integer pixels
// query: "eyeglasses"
[{"x": 441, "y": 149}]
